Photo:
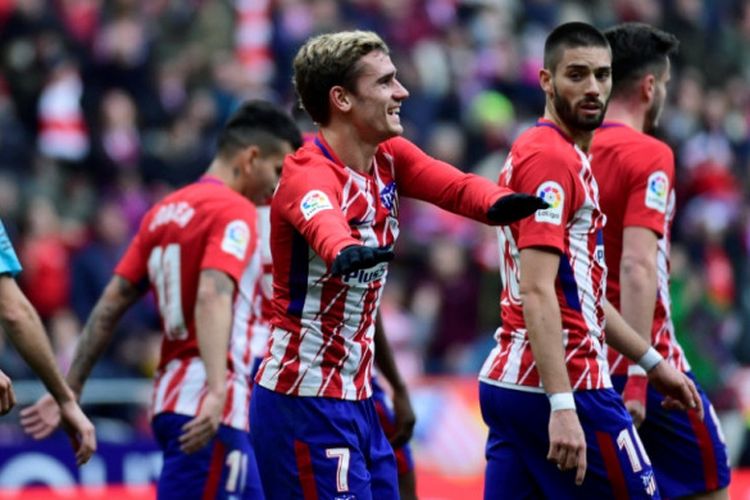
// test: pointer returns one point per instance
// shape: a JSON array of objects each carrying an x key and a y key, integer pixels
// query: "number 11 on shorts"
[{"x": 342, "y": 470}]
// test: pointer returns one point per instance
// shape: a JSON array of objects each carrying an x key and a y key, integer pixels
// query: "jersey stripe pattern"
[
  {"x": 323, "y": 325},
  {"x": 202, "y": 226},
  {"x": 635, "y": 173},
  {"x": 545, "y": 161}
]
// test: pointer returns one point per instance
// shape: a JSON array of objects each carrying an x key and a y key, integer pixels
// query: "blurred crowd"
[{"x": 105, "y": 106}]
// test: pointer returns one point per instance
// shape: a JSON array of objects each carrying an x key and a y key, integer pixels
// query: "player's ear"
[
  {"x": 545, "y": 81},
  {"x": 648, "y": 87},
  {"x": 249, "y": 157},
  {"x": 340, "y": 98}
]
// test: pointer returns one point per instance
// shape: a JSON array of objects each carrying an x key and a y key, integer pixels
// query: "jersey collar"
[
  {"x": 210, "y": 179},
  {"x": 543, "y": 122},
  {"x": 326, "y": 149},
  {"x": 611, "y": 124}
]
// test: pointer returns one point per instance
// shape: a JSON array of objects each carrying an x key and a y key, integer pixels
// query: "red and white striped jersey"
[
  {"x": 261, "y": 326},
  {"x": 205, "y": 225},
  {"x": 545, "y": 161},
  {"x": 323, "y": 325},
  {"x": 635, "y": 173}
]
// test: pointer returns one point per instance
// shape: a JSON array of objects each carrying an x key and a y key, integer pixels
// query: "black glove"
[
  {"x": 513, "y": 207},
  {"x": 356, "y": 257}
]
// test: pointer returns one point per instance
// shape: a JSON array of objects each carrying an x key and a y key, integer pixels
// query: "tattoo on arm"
[
  {"x": 223, "y": 284},
  {"x": 119, "y": 295}
]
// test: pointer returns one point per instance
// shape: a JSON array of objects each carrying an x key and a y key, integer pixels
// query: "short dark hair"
[
  {"x": 570, "y": 36},
  {"x": 258, "y": 123},
  {"x": 637, "y": 50}
]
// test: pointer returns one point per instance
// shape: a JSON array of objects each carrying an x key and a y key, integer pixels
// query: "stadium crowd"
[{"x": 107, "y": 106}]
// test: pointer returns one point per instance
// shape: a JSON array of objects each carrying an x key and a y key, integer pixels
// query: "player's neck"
[
  {"x": 224, "y": 172},
  {"x": 626, "y": 113},
  {"x": 349, "y": 147},
  {"x": 581, "y": 138}
]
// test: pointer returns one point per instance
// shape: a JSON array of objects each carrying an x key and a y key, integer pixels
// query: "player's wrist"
[
  {"x": 650, "y": 359},
  {"x": 561, "y": 401}
]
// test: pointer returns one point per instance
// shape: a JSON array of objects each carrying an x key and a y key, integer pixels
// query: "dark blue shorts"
[
  {"x": 689, "y": 455},
  {"x": 320, "y": 448},
  {"x": 518, "y": 443},
  {"x": 404, "y": 460},
  {"x": 223, "y": 469}
]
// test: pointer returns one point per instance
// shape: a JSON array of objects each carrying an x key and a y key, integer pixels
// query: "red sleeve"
[
  {"x": 133, "y": 265},
  {"x": 310, "y": 201},
  {"x": 542, "y": 173},
  {"x": 650, "y": 183},
  {"x": 423, "y": 177},
  {"x": 232, "y": 239}
]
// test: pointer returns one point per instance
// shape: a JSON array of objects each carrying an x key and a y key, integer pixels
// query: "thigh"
[
  {"x": 689, "y": 455},
  {"x": 312, "y": 447},
  {"x": 225, "y": 468},
  {"x": 617, "y": 463},
  {"x": 384, "y": 471}
]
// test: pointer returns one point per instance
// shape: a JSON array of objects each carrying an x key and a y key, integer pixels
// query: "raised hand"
[
  {"x": 356, "y": 257},
  {"x": 513, "y": 207}
]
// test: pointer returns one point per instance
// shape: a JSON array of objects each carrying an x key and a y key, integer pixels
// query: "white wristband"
[
  {"x": 650, "y": 359},
  {"x": 636, "y": 370},
  {"x": 561, "y": 401}
]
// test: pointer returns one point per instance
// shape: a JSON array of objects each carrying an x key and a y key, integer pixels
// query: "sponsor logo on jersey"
[
  {"x": 313, "y": 202},
  {"x": 553, "y": 194},
  {"x": 179, "y": 213},
  {"x": 657, "y": 191},
  {"x": 363, "y": 276},
  {"x": 389, "y": 198},
  {"x": 236, "y": 238}
]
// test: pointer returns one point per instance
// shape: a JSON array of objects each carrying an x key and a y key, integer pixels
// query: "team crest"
[
  {"x": 657, "y": 191},
  {"x": 553, "y": 194},
  {"x": 313, "y": 202},
  {"x": 236, "y": 238},
  {"x": 389, "y": 198}
]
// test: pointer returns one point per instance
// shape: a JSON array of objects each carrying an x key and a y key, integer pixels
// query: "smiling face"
[
  {"x": 376, "y": 99},
  {"x": 579, "y": 87}
]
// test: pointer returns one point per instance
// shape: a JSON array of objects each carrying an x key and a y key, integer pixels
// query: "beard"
[{"x": 568, "y": 116}]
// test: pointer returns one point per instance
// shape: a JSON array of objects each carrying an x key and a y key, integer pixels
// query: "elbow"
[{"x": 637, "y": 270}]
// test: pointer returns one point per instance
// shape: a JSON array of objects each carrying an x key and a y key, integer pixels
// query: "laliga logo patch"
[
  {"x": 552, "y": 193},
  {"x": 389, "y": 198},
  {"x": 313, "y": 202},
  {"x": 657, "y": 191},
  {"x": 236, "y": 238}
]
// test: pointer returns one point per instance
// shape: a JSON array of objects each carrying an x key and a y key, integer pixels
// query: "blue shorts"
[
  {"x": 225, "y": 468},
  {"x": 320, "y": 448},
  {"x": 518, "y": 443},
  {"x": 689, "y": 455},
  {"x": 404, "y": 460}
]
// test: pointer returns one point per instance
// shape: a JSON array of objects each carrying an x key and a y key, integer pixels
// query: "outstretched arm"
[
  {"x": 405, "y": 418},
  {"x": 213, "y": 324},
  {"x": 24, "y": 329}
]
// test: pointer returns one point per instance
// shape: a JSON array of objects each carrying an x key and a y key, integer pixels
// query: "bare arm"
[
  {"x": 25, "y": 330},
  {"x": 638, "y": 279},
  {"x": 117, "y": 298},
  {"x": 638, "y": 285},
  {"x": 405, "y": 418},
  {"x": 213, "y": 324},
  {"x": 541, "y": 313}
]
